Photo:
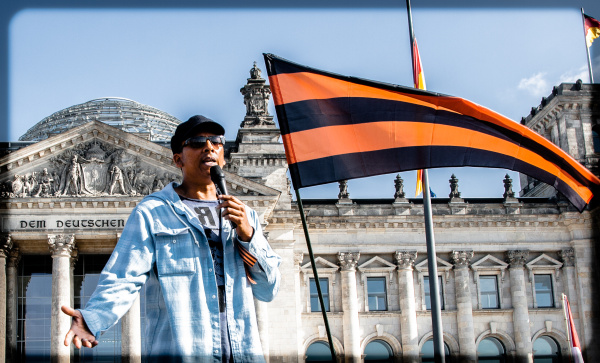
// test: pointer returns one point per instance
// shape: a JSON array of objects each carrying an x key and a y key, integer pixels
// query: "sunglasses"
[{"x": 199, "y": 141}]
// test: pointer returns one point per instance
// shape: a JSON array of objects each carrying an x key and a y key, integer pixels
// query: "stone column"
[
  {"x": 131, "y": 334},
  {"x": 408, "y": 323},
  {"x": 300, "y": 304},
  {"x": 262, "y": 320},
  {"x": 567, "y": 256},
  {"x": 61, "y": 246},
  {"x": 348, "y": 262},
  {"x": 464, "y": 305},
  {"x": 5, "y": 246},
  {"x": 11, "y": 304},
  {"x": 522, "y": 331}
]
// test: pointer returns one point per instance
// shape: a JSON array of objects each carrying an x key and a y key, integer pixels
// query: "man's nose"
[{"x": 209, "y": 146}]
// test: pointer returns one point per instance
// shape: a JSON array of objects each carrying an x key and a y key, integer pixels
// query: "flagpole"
[
  {"x": 564, "y": 301},
  {"x": 587, "y": 49},
  {"x": 314, "y": 269},
  {"x": 436, "y": 311}
]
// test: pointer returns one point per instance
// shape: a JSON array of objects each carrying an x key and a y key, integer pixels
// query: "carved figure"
[
  {"x": 255, "y": 72},
  {"x": 399, "y": 184},
  {"x": 18, "y": 186},
  {"x": 45, "y": 184},
  {"x": 344, "y": 194},
  {"x": 116, "y": 177},
  {"x": 454, "y": 193},
  {"x": 74, "y": 176}
]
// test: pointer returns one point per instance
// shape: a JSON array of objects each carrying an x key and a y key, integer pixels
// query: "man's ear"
[{"x": 177, "y": 160}]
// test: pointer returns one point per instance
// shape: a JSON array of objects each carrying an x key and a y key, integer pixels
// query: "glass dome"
[{"x": 127, "y": 115}]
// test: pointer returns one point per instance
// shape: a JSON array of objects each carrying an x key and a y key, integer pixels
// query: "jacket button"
[{"x": 174, "y": 240}]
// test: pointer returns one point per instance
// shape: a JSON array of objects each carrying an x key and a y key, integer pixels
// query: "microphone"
[{"x": 218, "y": 177}]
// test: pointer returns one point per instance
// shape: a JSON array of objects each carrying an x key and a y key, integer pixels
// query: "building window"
[
  {"x": 491, "y": 350},
  {"x": 378, "y": 351},
  {"x": 34, "y": 302},
  {"x": 546, "y": 350},
  {"x": 318, "y": 352},
  {"x": 377, "y": 293},
  {"x": 488, "y": 289},
  {"x": 427, "y": 352},
  {"x": 428, "y": 294},
  {"x": 315, "y": 306},
  {"x": 544, "y": 294}
]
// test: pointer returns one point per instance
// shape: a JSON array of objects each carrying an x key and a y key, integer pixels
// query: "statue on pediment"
[
  {"x": 73, "y": 177},
  {"x": 45, "y": 184}
]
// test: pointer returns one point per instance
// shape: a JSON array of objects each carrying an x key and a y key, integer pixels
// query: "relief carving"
[{"x": 90, "y": 169}]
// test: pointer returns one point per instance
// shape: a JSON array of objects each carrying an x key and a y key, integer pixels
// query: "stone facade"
[{"x": 68, "y": 196}]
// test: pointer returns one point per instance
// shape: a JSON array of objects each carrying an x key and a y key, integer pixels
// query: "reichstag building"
[{"x": 68, "y": 185}]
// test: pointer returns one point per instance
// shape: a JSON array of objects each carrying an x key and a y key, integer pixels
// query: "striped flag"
[
  {"x": 573, "y": 337},
  {"x": 419, "y": 81},
  {"x": 591, "y": 29},
  {"x": 337, "y": 127}
]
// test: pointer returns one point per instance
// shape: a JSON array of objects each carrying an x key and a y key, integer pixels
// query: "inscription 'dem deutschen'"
[{"x": 73, "y": 223}]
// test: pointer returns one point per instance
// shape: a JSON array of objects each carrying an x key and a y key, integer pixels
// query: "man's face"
[{"x": 198, "y": 157}]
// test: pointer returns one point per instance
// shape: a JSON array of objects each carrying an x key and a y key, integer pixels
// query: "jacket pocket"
[{"x": 174, "y": 252}]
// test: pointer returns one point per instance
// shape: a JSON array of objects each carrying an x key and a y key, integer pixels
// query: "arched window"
[
  {"x": 378, "y": 351},
  {"x": 546, "y": 350},
  {"x": 427, "y": 352},
  {"x": 318, "y": 352},
  {"x": 491, "y": 350}
]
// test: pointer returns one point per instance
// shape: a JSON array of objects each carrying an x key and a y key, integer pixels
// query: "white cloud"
[
  {"x": 536, "y": 85},
  {"x": 573, "y": 75}
]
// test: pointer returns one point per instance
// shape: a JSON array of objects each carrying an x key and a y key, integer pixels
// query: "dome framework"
[{"x": 127, "y": 115}]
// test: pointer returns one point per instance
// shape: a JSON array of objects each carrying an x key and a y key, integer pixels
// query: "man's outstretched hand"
[{"x": 79, "y": 333}]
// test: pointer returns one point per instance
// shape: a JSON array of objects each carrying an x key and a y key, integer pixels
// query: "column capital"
[
  {"x": 14, "y": 256},
  {"x": 461, "y": 259},
  {"x": 405, "y": 259},
  {"x": 61, "y": 244},
  {"x": 567, "y": 256},
  {"x": 517, "y": 258},
  {"x": 6, "y": 245},
  {"x": 348, "y": 260},
  {"x": 298, "y": 258}
]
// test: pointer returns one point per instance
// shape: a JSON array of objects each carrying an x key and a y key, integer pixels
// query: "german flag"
[
  {"x": 419, "y": 82},
  {"x": 591, "y": 28},
  {"x": 336, "y": 127}
]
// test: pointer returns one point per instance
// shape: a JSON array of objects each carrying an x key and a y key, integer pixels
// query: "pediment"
[
  {"x": 321, "y": 264},
  {"x": 96, "y": 160},
  {"x": 441, "y": 265},
  {"x": 376, "y": 264},
  {"x": 489, "y": 262},
  {"x": 544, "y": 262}
]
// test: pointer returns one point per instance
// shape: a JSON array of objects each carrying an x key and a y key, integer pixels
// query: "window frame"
[
  {"x": 376, "y": 267},
  {"x": 385, "y": 293},
  {"x": 544, "y": 265},
  {"x": 497, "y": 292},
  {"x": 325, "y": 269},
  {"x": 552, "y": 291},
  {"x": 442, "y": 293},
  {"x": 443, "y": 268},
  {"x": 321, "y": 280},
  {"x": 486, "y": 266}
]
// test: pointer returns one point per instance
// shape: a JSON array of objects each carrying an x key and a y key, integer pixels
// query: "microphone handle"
[{"x": 221, "y": 185}]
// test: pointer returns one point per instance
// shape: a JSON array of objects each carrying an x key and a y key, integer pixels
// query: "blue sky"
[{"x": 194, "y": 61}]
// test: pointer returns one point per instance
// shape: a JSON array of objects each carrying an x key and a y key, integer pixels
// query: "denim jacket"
[{"x": 164, "y": 246}]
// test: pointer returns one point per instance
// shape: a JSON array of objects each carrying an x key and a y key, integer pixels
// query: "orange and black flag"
[
  {"x": 591, "y": 28},
  {"x": 337, "y": 127}
]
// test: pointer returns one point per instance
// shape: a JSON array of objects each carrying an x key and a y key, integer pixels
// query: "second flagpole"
[{"x": 436, "y": 311}]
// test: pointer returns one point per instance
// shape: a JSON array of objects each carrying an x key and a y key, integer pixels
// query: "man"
[{"x": 201, "y": 271}]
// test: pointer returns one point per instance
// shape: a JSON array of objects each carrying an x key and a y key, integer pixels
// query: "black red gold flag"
[
  {"x": 337, "y": 127},
  {"x": 591, "y": 29}
]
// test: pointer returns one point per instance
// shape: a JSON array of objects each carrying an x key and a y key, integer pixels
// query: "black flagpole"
[
  {"x": 314, "y": 268},
  {"x": 436, "y": 311}
]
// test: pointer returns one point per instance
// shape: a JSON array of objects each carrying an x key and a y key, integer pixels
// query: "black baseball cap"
[{"x": 193, "y": 125}]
